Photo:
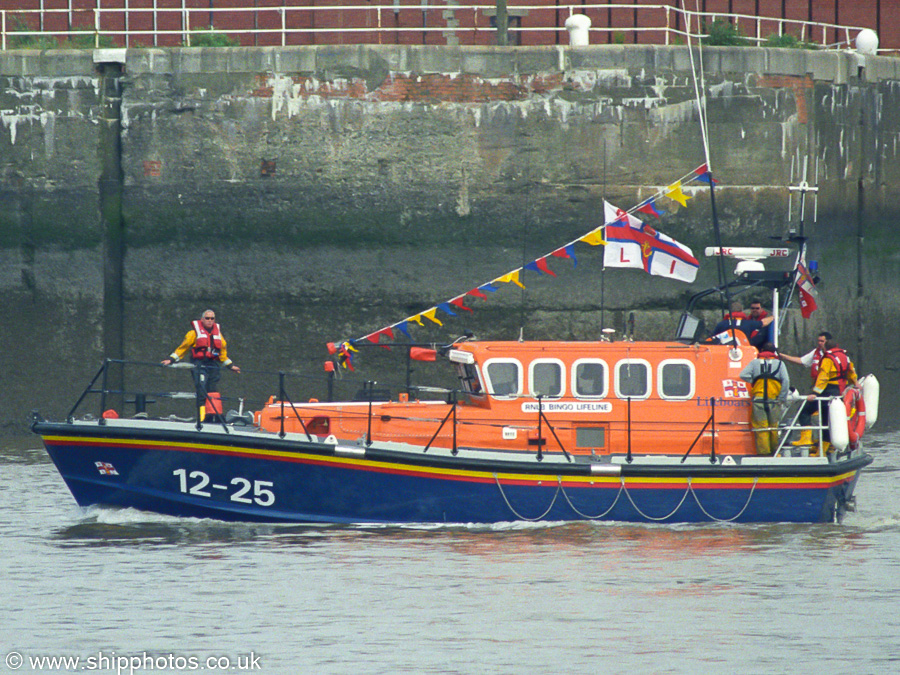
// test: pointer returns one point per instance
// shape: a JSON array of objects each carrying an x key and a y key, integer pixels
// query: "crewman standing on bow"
[{"x": 209, "y": 352}]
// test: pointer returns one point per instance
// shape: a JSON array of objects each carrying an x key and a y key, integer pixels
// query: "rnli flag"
[
  {"x": 808, "y": 293},
  {"x": 632, "y": 243}
]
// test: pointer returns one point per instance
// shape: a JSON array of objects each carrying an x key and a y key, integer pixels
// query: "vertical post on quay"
[{"x": 502, "y": 18}]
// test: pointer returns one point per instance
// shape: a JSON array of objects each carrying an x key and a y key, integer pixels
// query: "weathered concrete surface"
[{"x": 311, "y": 194}]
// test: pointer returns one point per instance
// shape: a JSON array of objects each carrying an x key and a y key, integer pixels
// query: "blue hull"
[{"x": 267, "y": 479}]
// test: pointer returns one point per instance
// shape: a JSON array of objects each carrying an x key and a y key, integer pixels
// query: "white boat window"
[
  {"x": 547, "y": 378},
  {"x": 676, "y": 379},
  {"x": 589, "y": 379},
  {"x": 632, "y": 378},
  {"x": 504, "y": 377}
]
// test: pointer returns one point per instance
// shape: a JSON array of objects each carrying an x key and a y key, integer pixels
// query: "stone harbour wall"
[{"x": 311, "y": 194}]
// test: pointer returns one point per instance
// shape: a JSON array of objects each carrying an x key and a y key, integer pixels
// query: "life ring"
[{"x": 855, "y": 405}]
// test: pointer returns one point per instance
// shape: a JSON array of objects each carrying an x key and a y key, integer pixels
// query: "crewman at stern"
[{"x": 770, "y": 384}]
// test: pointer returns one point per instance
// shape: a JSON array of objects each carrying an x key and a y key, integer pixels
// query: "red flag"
[
  {"x": 808, "y": 293},
  {"x": 458, "y": 302}
]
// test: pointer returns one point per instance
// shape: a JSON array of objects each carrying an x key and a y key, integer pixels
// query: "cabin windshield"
[{"x": 468, "y": 376}]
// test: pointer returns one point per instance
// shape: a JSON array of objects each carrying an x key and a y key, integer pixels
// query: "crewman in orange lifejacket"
[
  {"x": 810, "y": 360},
  {"x": 836, "y": 371},
  {"x": 757, "y": 313},
  {"x": 736, "y": 313},
  {"x": 209, "y": 352},
  {"x": 770, "y": 386}
]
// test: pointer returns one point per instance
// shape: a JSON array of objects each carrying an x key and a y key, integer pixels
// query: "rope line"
[
  {"x": 519, "y": 515},
  {"x": 724, "y": 520},
  {"x": 586, "y": 516},
  {"x": 666, "y": 517},
  {"x": 623, "y": 489}
]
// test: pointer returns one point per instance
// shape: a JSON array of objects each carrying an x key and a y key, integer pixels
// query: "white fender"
[
  {"x": 871, "y": 390},
  {"x": 837, "y": 424}
]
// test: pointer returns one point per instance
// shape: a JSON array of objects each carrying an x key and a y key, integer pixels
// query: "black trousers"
[
  {"x": 206, "y": 378},
  {"x": 811, "y": 407}
]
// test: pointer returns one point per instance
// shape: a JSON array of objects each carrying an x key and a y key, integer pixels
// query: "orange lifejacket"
[
  {"x": 735, "y": 316},
  {"x": 817, "y": 359},
  {"x": 841, "y": 364},
  {"x": 208, "y": 344}
]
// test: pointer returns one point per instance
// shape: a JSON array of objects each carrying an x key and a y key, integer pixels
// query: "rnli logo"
[
  {"x": 106, "y": 469},
  {"x": 735, "y": 389}
]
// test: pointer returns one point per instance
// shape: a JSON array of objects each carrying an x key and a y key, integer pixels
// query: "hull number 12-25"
[{"x": 240, "y": 490}]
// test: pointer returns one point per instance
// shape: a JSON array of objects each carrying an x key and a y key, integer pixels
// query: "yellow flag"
[
  {"x": 593, "y": 238},
  {"x": 512, "y": 277},
  {"x": 417, "y": 318},
  {"x": 430, "y": 314},
  {"x": 674, "y": 191}
]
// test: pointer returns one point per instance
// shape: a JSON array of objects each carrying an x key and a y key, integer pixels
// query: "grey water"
[{"x": 155, "y": 594}]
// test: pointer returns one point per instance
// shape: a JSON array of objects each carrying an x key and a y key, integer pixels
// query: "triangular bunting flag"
[
  {"x": 542, "y": 266},
  {"x": 704, "y": 176},
  {"x": 403, "y": 327},
  {"x": 430, "y": 315},
  {"x": 566, "y": 252},
  {"x": 674, "y": 192},
  {"x": 593, "y": 238},
  {"x": 445, "y": 307},
  {"x": 650, "y": 209},
  {"x": 458, "y": 302},
  {"x": 512, "y": 277}
]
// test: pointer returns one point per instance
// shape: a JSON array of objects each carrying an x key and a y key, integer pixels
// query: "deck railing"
[{"x": 454, "y": 22}]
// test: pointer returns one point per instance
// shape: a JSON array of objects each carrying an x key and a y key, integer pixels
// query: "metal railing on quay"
[{"x": 190, "y": 22}]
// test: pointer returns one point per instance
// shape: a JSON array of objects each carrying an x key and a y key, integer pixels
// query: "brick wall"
[{"x": 435, "y": 26}]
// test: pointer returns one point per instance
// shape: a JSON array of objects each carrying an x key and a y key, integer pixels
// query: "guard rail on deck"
[
  {"x": 114, "y": 398},
  {"x": 189, "y": 22}
]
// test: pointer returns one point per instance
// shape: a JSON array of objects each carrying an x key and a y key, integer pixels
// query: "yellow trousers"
[{"x": 765, "y": 413}]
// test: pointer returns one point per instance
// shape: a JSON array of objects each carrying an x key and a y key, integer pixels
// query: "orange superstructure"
[{"x": 576, "y": 397}]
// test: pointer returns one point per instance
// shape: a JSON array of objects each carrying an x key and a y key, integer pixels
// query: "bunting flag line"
[
  {"x": 632, "y": 243},
  {"x": 639, "y": 245}
]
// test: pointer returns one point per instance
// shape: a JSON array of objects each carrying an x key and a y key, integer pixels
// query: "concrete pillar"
[{"x": 109, "y": 149}]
